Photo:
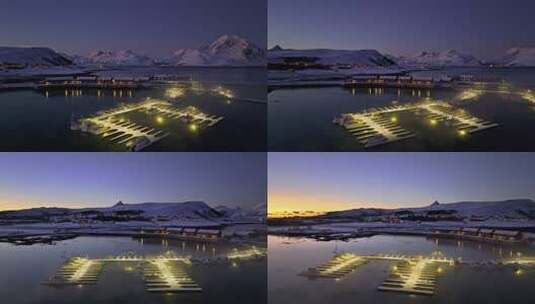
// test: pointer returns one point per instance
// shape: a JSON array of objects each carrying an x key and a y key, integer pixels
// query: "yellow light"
[
  {"x": 193, "y": 127},
  {"x": 128, "y": 268},
  {"x": 440, "y": 270},
  {"x": 433, "y": 122},
  {"x": 394, "y": 119},
  {"x": 174, "y": 92},
  {"x": 462, "y": 132},
  {"x": 160, "y": 119},
  {"x": 519, "y": 272}
]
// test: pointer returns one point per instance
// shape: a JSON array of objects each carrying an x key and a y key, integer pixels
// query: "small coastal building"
[
  {"x": 486, "y": 233},
  {"x": 87, "y": 79},
  {"x": 210, "y": 234},
  {"x": 507, "y": 235},
  {"x": 423, "y": 80},
  {"x": 189, "y": 231},
  {"x": 124, "y": 80},
  {"x": 470, "y": 232},
  {"x": 389, "y": 78},
  {"x": 105, "y": 79},
  {"x": 58, "y": 80},
  {"x": 446, "y": 232}
]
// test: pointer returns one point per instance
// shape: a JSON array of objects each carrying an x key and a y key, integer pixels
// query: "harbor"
[
  {"x": 164, "y": 273},
  {"x": 409, "y": 274},
  {"x": 161, "y": 274},
  {"x": 379, "y": 126},
  {"x": 136, "y": 137},
  {"x": 49, "y": 112},
  {"x": 396, "y": 268}
]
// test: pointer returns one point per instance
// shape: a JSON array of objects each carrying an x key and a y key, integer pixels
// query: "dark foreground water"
[
  {"x": 459, "y": 284},
  {"x": 301, "y": 119},
  {"x": 36, "y": 121},
  {"x": 25, "y": 268}
]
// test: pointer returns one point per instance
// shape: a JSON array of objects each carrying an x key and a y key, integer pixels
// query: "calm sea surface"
[
  {"x": 458, "y": 284},
  {"x": 32, "y": 121},
  {"x": 25, "y": 268},
  {"x": 300, "y": 119}
]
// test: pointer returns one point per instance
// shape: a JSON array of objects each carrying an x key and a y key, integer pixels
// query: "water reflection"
[
  {"x": 27, "y": 267},
  {"x": 481, "y": 283}
]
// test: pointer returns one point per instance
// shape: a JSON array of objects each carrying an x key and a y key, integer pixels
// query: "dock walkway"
[
  {"x": 137, "y": 137},
  {"x": 410, "y": 274},
  {"x": 161, "y": 274},
  {"x": 374, "y": 127}
]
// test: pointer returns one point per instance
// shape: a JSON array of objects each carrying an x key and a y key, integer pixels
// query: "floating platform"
[
  {"x": 412, "y": 276},
  {"x": 77, "y": 271},
  {"x": 161, "y": 274},
  {"x": 137, "y": 137},
  {"x": 251, "y": 253},
  {"x": 416, "y": 275},
  {"x": 524, "y": 261},
  {"x": 338, "y": 267},
  {"x": 377, "y": 126}
]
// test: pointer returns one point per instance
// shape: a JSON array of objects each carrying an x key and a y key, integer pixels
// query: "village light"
[{"x": 174, "y": 92}]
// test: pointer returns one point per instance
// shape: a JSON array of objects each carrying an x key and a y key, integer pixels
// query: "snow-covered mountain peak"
[
  {"x": 227, "y": 50},
  {"x": 446, "y": 58},
  {"x": 519, "y": 56},
  {"x": 122, "y": 57},
  {"x": 32, "y": 56},
  {"x": 227, "y": 42},
  {"x": 435, "y": 204},
  {"x": 276, "y": 48}
]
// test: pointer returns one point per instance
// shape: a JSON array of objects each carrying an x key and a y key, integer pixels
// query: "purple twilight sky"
[
  {"x": 335, "y": 181},
  {"x": 154, "y": 27},
  {"x": 100, "y": 179},
  {"x": 484, "y": 28}
]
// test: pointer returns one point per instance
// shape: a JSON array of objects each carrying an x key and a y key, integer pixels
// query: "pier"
[
  {"x": 136, "y": 137},
  {"x": 401, "y": 82},
  {"x": 410, "y": 274},
  {"x": 376, "y": 126},
  {"x": 93, "y": 82},
  {"x": 413, "y": 276},
  {"x": 161, "y": 274},
  {"x": 246, "y": 254},
  {"x": 336, "y": 268},
  {"x": 77, "y": 271}
]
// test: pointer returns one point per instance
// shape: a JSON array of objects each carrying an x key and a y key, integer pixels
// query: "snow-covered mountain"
[
  {"x": 123, "y": 57},
  {"x": 439, "y": 59},
  {"x": 32, "y": 56},
  {"x": 185, "y": 211},
  {"x": 278, "y": 55},
  {"x": 255, "y": 214},
  {"x": 509, "y": 209},
  {"x": 227, "y": 50},
  {"x": 521, "y": 57}
]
